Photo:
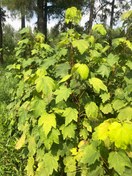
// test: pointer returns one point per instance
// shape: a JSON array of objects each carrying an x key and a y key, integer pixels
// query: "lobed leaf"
[
  {"x": 47, "y": 121},
  {"x": 98, "y": 84},
  {"x": 70, "y": 115},
  {"x": 81, "y": 45},
  {"x": 91, "y": 110},
  {"x": 118, "y": 161},
  {"x": 62, "y": 93}
]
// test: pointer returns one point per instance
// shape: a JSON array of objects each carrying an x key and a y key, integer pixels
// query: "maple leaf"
[
  {"x": 105, "y": 97},
  {"x": 81, "y": 45},
  {"x": 29, "y": 167},
  {"x": 104, "y": 71},
  {"x": 118, "y": 104},
  {"x": 125, "y": 114},
  {"x": 21, "y": 141},
  {"x": 47, "y": 165},
  {"x": 62, "y": 93},
  {"x": 97, "y": 84},
  {"x": 106, "y": 109},
  {"x": 90, "y": 155},
  {"x": 47, "y": 121},
  {"x": 118, "y": 161},
  {"x": 91, "y": 110},
  {"x": 120, "y": 134},
  {"x": 70, "y": 114},
  {"x": 68, "y": 131},
  {"x": 45, "y": 84},
  {"x": 101, "y": 131}
]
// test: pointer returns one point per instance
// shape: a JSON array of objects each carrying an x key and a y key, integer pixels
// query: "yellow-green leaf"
[
  {"x": 125, "y": 114},
  {"x": 83, "y": 71},
  {"x": 47, "y": 121},
  {"x": 65, "y": 78},
  {"x": 106, "y": 109},
  {"x": 20, "y": 142},
  {"x": 62, "y": 93},
  {"x": 70, "y": 114},
  {"x": 98, "y": 84},
  {"x": 120, "y": 134},
  {"x": 99, "y": 28},
  {"x": 81, "y": 45},
  {"x": 101, "y": 131},
  {"x": 91, "y": 110},
  {"x": 119, "y": 161},
  {"x": 29, "y": 167}
]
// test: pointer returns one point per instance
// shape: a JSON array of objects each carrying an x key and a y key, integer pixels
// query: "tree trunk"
[
  {"x": 111, "y": 21},
  {"x": 23, "y": 21},
  {"x": 45, "y": 19},
  {"x": 91, "y": 17},
  {"x": 42, "y": 17},
  {"x": 1, "y": 38},
  {"x": 112, "y": 14}
]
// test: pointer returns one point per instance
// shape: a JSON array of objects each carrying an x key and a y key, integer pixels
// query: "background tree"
[
  {"x": 41, "y": 11},
  {"x": 23, "y": 8},
  {"x": 2, "y": 19}
]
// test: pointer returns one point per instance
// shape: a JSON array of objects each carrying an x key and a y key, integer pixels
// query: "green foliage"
[
  {"x": 72, "y": 103},
  {"x": 73, "y": 15},
  {"x": 12, "y": 162}
]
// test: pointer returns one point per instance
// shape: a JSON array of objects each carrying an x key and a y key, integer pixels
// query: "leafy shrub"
[
  {"x": 72, "y": 104},
  {"x": 11, "y": 161}
]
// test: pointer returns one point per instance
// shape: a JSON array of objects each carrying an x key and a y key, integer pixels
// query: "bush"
[{"x": 72, "y": 103}]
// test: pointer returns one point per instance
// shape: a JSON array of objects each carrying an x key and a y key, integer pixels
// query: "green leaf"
[
  {"x": 129, "y": 64},
  {"x": 65, "y": 78},
  {"x": 122, "y": 41},
  {"x": 38, "y": 106},
  {"x": 62, "y": 69},
  {"x": 119, "y": 93},
  {"x": 87, "y": 125},
  {"x": 54, "y": 135},
  {"x": 99, "y": 28},
  {"x": 21, "y": 141},
  {"x": 81, "y": 45},
  {"x": 68, "y": 131},
  {"x": 70, "y": 115},
  {"x": 48, "y": 164},
  {"x": 41, "y": 72},
  {"x": 101, "y": 131},
  {"x": 90, "y": 155},
  {"x": 91, "y": 110},
  {"x": 47, "y": 121},
  {"x": 105, "y": 97},
  {"x": 94, "y": 54},
  {"x": 118, "y": 104},
  {"x": 106, "y": 109},
  {"x": 73, "y": 15},
  {"x": 98, "y": 171},
  {"x": 125, "y": 114},
  {"x": 82, "y": 69},
  {"x": 62, "y": 94},
  {"x": 126, "y": 15},
  {"x": 70, "y": 165},
  {"x": 120, "y": 134},
  {"x": 112, "y": 59},
  {"x": 24, "y": 31},
  {"x": 32, "y": 145},
  {"x": 45, "y": 84},
  {"x": 84, "y": 133},
  {"x": 104, "y": 71},
  {"x": 118, "y": 161},
  {"x": 97, "y": 84},
  {"x": 29, "y": 167}
]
